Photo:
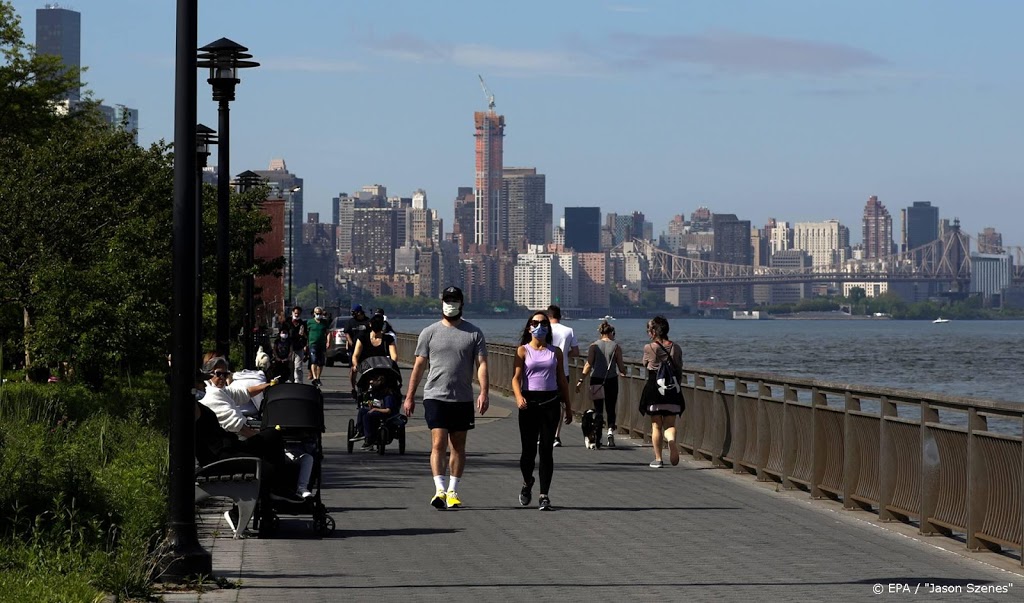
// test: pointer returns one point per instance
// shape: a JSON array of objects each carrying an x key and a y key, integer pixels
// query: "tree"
[
  {"x": 30, "y": 84},
  {"x": 86, "y": 256}
]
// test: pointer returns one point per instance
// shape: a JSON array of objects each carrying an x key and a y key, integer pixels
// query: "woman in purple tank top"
[{"x": 542, "y": 394}]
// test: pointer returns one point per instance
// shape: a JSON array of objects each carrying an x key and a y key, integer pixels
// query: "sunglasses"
[
  {"x": 537, "y": 323},
  {"x": 222, "y": 374}
]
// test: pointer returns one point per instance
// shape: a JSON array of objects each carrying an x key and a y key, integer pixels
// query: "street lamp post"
[
  {"x": 245, "y": 181},
  {"x": 290, "y": 207},
  {"x": 223, "y": 58},
  {"x": 188, "y": 558},
  {"x": 204, "y": 138}
]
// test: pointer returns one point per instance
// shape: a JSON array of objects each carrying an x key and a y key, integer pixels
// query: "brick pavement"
[{"x": 620, "y": 531}]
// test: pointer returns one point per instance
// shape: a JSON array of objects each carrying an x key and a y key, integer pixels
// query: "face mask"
[
  {"x": 540, "y": 332},
  {"x": 318, "y": 316},
  {"x": 451, "y": 310},
  {"x": 284, "y": 335}
]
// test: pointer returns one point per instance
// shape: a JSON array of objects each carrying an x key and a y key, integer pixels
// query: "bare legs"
[
  {"x": 439, "y": 441},
  {"x": 663, "y": 428}
]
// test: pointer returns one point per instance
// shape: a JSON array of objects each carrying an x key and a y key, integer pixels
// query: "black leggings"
[
  {"x": 611, "y": 398},
  {"x": 539, "y": 420}
]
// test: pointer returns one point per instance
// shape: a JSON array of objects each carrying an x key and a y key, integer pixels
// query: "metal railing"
[{"x": 950, "y": 465}]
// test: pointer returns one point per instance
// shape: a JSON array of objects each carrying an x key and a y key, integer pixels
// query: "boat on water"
[
  {"x": 940, "y": 320},
  {"x": 750, "y": 315},
  {"x": 608, "y": 318}
]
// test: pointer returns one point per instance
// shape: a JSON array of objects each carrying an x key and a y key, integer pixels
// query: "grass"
[{"x": 82, "y": 490}]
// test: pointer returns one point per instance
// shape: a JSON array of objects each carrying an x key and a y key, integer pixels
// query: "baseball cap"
[
  {"x": 452, "y": 294},
  {"x": 357, "y": 308}
]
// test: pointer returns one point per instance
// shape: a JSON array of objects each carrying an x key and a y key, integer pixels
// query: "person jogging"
[{"x": 450, "y": 347}]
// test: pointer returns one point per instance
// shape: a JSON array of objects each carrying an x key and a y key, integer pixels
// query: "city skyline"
[{"x": 792, "y": 111}]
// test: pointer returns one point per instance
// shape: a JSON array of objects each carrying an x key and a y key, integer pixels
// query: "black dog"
[{"x": 593, "y": 425}]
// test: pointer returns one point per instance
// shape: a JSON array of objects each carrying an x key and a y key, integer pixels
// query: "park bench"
[{"x": 237, "y": 479}]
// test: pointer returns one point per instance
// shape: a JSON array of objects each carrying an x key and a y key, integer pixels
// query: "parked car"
[{"x": 338, "y": 348}]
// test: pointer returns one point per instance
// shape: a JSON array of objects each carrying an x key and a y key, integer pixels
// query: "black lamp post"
[
  {"x": 223, "y": 58},
  {"x": 291, "y": 243},
  {"x": 204, "y": 138},
  {"x": 245, "y": 181},
  {"x": 188, "y": 557}
]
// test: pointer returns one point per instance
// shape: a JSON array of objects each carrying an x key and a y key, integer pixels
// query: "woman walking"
[
  {"x": 663, "y": 408},
  {"x": 376, "y": 342},
  {"x": 542, "y": 393},
  {"x": 604, "y": 365}
]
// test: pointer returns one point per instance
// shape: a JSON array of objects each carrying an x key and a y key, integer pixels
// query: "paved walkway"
[{"x": 621, "y": 531}]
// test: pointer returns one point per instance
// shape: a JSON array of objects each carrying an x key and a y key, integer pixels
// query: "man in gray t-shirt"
[{"x": 451, "y": 348}]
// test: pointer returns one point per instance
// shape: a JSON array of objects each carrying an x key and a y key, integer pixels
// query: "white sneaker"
[
  {"x": 304, "y": 494},
  {"x": 656, "y": 465},
  {"x": 586, "y": 441},
  {"x": 611, "y": 441}
]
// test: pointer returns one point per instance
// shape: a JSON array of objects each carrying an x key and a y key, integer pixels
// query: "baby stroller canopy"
[{"x": 375, "y": 366}]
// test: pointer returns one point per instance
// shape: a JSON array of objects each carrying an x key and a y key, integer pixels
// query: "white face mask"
[{"x": 451, "y": 310}]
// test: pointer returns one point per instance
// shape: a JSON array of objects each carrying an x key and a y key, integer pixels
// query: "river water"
[{"x": 979, "y": 359}]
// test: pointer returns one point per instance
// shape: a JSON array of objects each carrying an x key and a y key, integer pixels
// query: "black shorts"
[{"x": 453, "y": 416}]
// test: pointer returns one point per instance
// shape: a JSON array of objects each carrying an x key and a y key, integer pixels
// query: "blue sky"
[{"x": 797, "y": 110}]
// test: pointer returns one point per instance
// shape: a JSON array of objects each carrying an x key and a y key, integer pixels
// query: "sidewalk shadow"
[{"x": 339, "y": 533}]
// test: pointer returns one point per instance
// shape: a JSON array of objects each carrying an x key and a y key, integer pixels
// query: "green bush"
[{"x": 82, "y": 490}]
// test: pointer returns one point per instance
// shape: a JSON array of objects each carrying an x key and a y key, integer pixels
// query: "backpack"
[{"x": 668, "y": 379}]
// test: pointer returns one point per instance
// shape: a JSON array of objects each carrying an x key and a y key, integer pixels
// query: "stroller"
[
  {"x": 297, "y": 411},
  {"x": 382, "y": 371}
]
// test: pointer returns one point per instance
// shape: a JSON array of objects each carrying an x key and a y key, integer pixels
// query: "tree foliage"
[
  {"x": 30, "y": 85},
  {"x": 85, "y": 251}
]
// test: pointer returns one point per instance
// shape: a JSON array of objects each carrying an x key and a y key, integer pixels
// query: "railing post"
[
  {"x": 763, "y": 431},
  {"x": 930, "y": 468},
  {"x": 977, "y": 482},
  {"x": 737, "y": 429},
  {"x": 1020, "y": 545},
  {"x": 887, "y": 461},
  {"x": 789, "y": 438},
  {"x": 819, "y": 449},
  {"x": 851, "y": 461}
]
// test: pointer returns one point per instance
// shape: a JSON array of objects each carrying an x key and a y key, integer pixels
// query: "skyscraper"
[
  {"x": 490, "y": 217},
  {"x": 59, "y": 33},
  {"x": 732, "y": 246},
  {"x": 920, "y": 225},
  {"x": 877, "y": 229},
  {"x": 464, "y": 228},
  {"x": 524, "y": 192},
  {"x": 583, "y": 229},
  {"x": 828, "y": 242}
]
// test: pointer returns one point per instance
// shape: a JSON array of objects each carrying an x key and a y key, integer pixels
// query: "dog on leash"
[{"x": 593, "y": 424}]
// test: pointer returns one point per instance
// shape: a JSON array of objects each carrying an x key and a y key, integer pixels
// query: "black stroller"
[
  {"x": 378, "y": 370},
  {"x": 296, "y": 410}
]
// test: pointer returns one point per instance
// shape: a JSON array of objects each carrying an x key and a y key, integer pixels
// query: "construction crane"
[{"x": 487, "y": 93}]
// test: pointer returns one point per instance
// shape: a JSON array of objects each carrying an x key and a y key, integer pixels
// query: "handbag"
[{"x": 596, "y": 391}]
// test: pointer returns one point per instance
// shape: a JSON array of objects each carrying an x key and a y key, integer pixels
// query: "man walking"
[
  {"x": 565, "y": 338},
  {"x": 450, "y": 347},
  {"x": 297, "y": 336},
  {"x": 317, "y": 331}
]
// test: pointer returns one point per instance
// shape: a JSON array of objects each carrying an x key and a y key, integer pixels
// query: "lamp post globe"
[{"x": 224, "y": 58}]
